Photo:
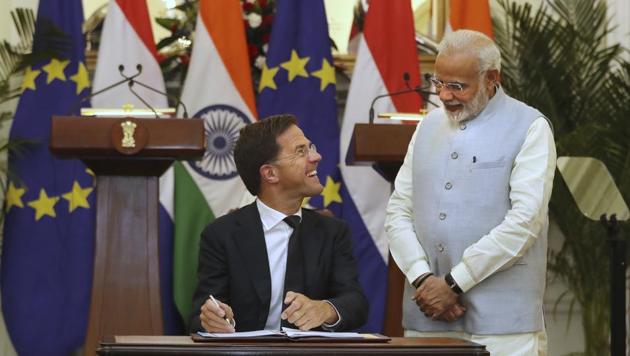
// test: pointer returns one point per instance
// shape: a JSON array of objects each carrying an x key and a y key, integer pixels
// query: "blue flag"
[
  {"x": 48, "y": 248},
  {"x": 299, "y": 78}
]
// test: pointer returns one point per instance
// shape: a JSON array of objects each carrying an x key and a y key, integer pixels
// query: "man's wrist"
[
  {"x": 452, "y": 284},
  {"x": 333, "y": 315},
  {"x": 418, "y": 282}
]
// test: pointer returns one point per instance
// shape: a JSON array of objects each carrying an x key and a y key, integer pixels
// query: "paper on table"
[
  {"x": 296, "y": 333},
  {"x": 243, "y": 334},
  {"x": 288, "y": 332}
]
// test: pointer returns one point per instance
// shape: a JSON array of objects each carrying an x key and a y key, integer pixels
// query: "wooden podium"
[
  {"x": 128, "y": 155},
  {"x": 382, "y": 144},
  {"x": 385, "y": 146}
]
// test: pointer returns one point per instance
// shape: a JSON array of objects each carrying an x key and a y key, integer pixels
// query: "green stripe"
[{"x": 192, "y": 214}]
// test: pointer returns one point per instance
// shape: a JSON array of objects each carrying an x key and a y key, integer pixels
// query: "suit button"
[
  {"x": 440, "y": 247},
  {"x": 462, "y": 126},
  {"x": 442, "y": 216},
  {"x": 448, "y": 186},
  {"x": 454, "y": 155}
]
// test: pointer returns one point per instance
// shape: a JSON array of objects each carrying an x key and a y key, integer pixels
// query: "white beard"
[{"x": 471, "y": 109}]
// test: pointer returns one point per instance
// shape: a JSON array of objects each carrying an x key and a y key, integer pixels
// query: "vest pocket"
[{"x": 488, "y": 163}]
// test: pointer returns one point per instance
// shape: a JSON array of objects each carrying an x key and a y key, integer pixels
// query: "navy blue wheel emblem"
[{"x": 221, "y": 125}]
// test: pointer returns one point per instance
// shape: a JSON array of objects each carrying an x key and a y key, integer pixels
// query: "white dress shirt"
[{"x": 530, "y": 189}]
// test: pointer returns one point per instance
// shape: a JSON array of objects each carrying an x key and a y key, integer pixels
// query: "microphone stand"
[
  {"x": 131, "y": 80},
  {"x": 424, "y": 92},
  {"x": 371, "y": 115}
]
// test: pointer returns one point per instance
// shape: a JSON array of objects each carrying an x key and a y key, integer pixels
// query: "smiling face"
[
  {"x": 295, "y": 166},
  {"x": 463, "y": 68}
]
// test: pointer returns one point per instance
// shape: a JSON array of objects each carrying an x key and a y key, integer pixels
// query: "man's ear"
[
  {"x": 268, "y": 173},
  {"x": 493, "y": 78}
]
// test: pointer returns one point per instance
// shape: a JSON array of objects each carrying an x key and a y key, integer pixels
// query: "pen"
[{"x": 217, "y": 305}]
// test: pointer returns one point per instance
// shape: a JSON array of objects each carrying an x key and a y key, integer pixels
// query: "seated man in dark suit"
[{"x": 272, "y": 263}]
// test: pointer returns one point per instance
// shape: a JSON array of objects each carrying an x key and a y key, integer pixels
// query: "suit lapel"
[{"x": 250, "y": 239}]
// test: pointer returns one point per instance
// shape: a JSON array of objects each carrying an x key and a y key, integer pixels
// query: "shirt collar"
[{"x": 271, "y": 217}]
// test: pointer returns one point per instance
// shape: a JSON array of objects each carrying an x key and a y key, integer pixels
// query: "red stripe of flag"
[
  {"x": 390, "y": 35},
  {"x": 137, "y": 15}
]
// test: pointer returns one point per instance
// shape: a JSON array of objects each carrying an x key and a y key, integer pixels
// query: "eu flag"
[
  {"x": 299, "y": 78},
  {"x": 48, "y": 247}
]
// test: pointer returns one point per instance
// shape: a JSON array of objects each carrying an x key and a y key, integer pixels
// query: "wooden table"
[{"x": 183, "y": 345}]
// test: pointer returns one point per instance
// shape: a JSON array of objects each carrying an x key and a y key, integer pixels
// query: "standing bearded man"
[{"x": 467, "y": 222}]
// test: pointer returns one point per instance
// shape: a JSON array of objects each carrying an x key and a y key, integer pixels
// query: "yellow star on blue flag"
[
  {"x": 326, "y": 74},
  {"x": 44, "y": 205},
  {"x": 30, "y": 75},
  {"x": 14, "y": 197},
  {"x": 55, "y": 70},
  {"x": 331, "y": 192},
  {"x": 296, "y": 66},
  {"x": 77, "y": 197}
]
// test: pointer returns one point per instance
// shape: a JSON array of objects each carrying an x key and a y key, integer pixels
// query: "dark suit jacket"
[{"x": 234, "y": 268}]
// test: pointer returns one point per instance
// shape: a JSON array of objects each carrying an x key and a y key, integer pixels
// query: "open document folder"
[{"x": 290, "y": 334}]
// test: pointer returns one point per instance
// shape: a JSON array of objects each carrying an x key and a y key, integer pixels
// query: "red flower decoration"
[
  {"x": 184, "y": 59},
  {"x": 247, "y": 7},
  {"x": 253, "y": 51},
  {"x": 267, "y": 20}
]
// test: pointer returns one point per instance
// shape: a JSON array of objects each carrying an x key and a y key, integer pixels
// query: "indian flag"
[{"x": 218, "y": 90}]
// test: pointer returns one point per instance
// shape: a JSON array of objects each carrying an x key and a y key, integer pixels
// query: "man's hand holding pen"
[{"x": 217, "y": 317}]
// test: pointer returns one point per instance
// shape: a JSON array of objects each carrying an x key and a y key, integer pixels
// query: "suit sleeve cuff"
[
  {"x": 332, "y": 327},
  {"x": 462, "y": 277}
]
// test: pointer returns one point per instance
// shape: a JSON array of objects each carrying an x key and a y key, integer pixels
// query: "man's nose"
[
  {"x": 445, "y": 95},
  {"x": 314, "y": 156}
]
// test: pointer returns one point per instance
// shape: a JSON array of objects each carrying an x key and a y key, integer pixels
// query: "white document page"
[
  {"x": 295, "y": 333},
  {"x": 242, "y": 334}
]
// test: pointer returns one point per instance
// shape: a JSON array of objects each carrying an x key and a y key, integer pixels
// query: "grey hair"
[{"x": 476, "y": 43}]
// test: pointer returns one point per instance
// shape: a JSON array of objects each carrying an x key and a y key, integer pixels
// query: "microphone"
[
  {"x": 93, "y": 94},
  {"x": 424, "y": 93},
  {"x": 131, "y": 80},
  {"x": 177, "y": 100},
  {"x": 406, "y": 78}
]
